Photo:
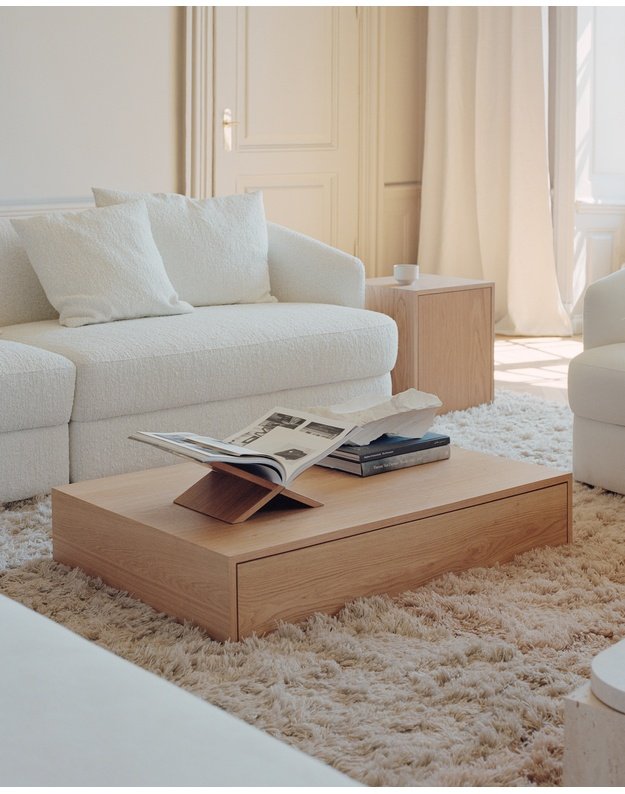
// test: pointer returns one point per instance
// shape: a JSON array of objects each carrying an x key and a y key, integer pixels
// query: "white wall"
[
  {"x": 95, "y": 96},
  {"x": 89, "y": 96}
]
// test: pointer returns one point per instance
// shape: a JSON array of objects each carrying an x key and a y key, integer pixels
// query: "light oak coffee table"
[{"x": 382, "y": 534}]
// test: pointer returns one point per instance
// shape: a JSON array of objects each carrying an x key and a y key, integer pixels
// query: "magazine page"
[
  {"x": 184, "y": 444},
  {"x": 296, "y": 438}
]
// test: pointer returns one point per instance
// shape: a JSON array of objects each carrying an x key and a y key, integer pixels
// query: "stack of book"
[{"x": 387, "y": 453}]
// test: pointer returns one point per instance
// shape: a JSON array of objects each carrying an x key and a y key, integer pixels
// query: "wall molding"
[
  {"x": 198, "y": 165},
  {"x": 599, "y": 238},
  {"x": 371, "y": 29},
  {"x": 18, "y": 208},
  {"x": 326, "y": 182},
  {"x": 247, "y": 139},
  {"x": 587, "y": 206}
]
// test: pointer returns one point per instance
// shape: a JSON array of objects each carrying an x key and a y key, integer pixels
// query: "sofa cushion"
[
  {"x": 215, "y": 249},
  {"x": 99, "y": 265},
  {"x": 597, "y": 384},
  {"x": 22, "y": 299},
  {"x": 103, "y": 448},
  {"x": 215, "y": 353},
  {"x": 36, "y": 387},
  {"x": 33, "y": 461}
]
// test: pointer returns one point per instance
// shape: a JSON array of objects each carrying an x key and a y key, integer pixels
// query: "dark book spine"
[
  {"x": 397, "y": 451},
  {"x": 403, "y": 449},
  {"x": 404, "y": 461}
]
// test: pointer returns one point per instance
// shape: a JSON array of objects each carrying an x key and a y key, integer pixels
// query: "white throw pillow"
[
  {"x": 99, "y": 265},
  {"x": 214, "y": 250}
]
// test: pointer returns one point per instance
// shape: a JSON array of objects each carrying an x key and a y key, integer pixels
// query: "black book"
[
  {"x": 389, "y": 445},
  {"x": 381, "y": 465}
]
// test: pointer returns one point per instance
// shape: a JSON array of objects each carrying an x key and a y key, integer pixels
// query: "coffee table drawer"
[{"x": 323, "y": 577}]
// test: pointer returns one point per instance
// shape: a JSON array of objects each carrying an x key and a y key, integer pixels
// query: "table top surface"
[
  {"x": 351, "y": 504},
  {"x": 429, "y": 282}
]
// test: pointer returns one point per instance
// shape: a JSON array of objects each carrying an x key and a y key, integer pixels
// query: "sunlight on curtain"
[{"x": 485, "y": 196}]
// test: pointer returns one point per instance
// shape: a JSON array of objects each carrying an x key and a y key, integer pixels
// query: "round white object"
[
  {"x": 405, "y": 274},
  {"x": 607, "y": 678}
]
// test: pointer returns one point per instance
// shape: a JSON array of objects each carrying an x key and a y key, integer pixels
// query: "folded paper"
[{"x": 409, "y": 413}]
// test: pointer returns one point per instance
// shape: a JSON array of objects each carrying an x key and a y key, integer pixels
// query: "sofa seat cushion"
[
  {"x": 36, "y": 387},
  {"x": 597, "y": 384},
  {"x": 215, "y": 353}
]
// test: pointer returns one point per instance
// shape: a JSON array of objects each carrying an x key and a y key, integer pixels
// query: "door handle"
[
  {"x": 227, "y": 124},
  {"x": 227, "y": 120}
]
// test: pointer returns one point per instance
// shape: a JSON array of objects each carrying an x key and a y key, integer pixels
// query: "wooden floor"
[{"x": 538, "y": 365}]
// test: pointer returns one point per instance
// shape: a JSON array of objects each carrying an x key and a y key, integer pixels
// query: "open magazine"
[{"x": 278, "y": 447}]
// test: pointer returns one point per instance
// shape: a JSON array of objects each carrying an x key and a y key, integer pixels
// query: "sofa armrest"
[
  {"x": 304, "y": 270},
  {"x": 604, "y": 311}
]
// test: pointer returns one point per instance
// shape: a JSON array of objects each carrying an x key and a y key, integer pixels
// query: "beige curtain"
[{"x": 485, "y": 198}]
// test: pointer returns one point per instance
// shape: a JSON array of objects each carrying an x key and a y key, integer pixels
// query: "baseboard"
[{"x": 10, "y": 208}]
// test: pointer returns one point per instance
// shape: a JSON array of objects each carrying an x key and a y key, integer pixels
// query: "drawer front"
[{"x": 324, "y": 577}]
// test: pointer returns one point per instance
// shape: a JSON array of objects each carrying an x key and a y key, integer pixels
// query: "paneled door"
[{"x": 286, "y": 115}]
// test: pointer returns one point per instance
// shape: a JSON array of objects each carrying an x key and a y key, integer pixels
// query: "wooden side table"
[{"x": 446, "y": 336}]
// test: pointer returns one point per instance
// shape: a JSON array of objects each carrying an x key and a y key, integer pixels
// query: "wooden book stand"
[{"x": 233, "y": 495}]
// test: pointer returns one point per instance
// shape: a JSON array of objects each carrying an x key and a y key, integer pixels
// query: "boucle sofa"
[
  {"x": 596, "y": 387},
  {"x": 71, "y": 396}
]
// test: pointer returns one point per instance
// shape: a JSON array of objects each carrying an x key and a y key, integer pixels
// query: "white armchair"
[{"x": 597, "y": 387}]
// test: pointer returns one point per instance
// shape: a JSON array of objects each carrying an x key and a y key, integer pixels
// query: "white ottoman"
[
  {"x": 594, "y": 724},
  {"x": 73, "y": 714}
]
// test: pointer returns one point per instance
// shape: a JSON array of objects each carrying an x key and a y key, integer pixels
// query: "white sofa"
[
  {"x": 597, "y": 387},
  {"x": 71, "y": 396},
  {"x": 36, "y": 397}
]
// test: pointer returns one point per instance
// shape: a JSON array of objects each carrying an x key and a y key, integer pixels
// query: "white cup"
[{"x": 405, "y": 274}]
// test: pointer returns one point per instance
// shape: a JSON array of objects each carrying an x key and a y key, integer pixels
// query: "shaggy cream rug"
[{"x": 457, "y": 683}]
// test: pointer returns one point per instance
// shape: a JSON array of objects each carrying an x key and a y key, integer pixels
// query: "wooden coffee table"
[{"x": 382, "y": 534}]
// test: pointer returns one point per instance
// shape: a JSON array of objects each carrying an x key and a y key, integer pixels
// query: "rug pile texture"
[{"x": 459, "y": 682}]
